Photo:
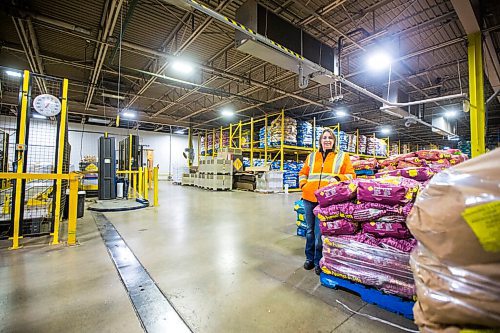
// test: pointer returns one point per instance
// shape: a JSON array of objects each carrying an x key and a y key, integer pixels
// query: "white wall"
[{"x": 84, "y": 141}]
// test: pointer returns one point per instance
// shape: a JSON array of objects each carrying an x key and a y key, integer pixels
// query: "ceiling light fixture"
[
  {"x": 38, "y": 116},
  {"x": 182, "y": 66},
  {"x": 180, "y": 131},
  {"x": 227, "y": 113},
  {"x": 386, "y": 130},
  {"x": 121, "y": 98},
  {"x": 13, "y": 73},
  {"x": 128, "y": 114},
  {"x": 450, "y": 114},
  {"x": 379, "y": 61},
  {"x": 340, "y": 113},
  {"x": 98, "y": 120}
]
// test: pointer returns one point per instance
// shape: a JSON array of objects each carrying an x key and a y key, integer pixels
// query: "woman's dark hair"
[{"x": 334, "y": 139}]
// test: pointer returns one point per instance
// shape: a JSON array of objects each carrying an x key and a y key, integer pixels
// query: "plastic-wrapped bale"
[
  {"x": 336, "y": 193},
  {"x": 262, "y": 136},
  {"x": 290, "y": 131},
  {"x": 362, "y": 145},
  {"x": 351, "y": 143},
  {"x": 304, "y": 134},
  {"x": 319, "y": 131},
  {"x": 439, "y": 165},
  {"x": 342, "y": 140},
  {"x": 371, "y": 147},
  {"x": 202, "y": 145},
  {"x": 245, "y": 139},
  {"x": 454, "y": 295},
  {"x": 384, "y": 269},
  {"x": 393, "y": 149},
  {"x": 456, "y": 222},
  {"x": 246, "y": 162},
  {"x": 381, "y": 147}
]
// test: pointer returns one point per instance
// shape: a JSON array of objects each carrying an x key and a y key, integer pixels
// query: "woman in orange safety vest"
[{"x": 320, "y": 168}]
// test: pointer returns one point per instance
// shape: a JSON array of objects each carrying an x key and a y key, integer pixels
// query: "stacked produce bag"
[
  {"x": 290, "y": 136},
  {"x": 351, "y": 143},
  {"x": 298, "y": 207},
  {"x": 262, "y": 136},
  {"x": 362, "y": 144},
  {"x": 304, "y": 134},
  {"x": 319, "y": 131},
  {"x": 245, "y": 139},
  {"x": 342, "y": 140},
  {"x": 291, "y": 172},
  {"x": 364, "y": 168},
  {"x": 465, "y": 147},
  {"x": 456, "y": 265},
  {"x": 365, "y": 238}
]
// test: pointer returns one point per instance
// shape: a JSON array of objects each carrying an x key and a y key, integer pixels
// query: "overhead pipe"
[{"x": 58, "y": 23}]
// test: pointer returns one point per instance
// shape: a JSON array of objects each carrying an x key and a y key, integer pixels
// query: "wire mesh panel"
[
  {"x": 41, "y": 157},
  {"x": 10, "y": 85}
]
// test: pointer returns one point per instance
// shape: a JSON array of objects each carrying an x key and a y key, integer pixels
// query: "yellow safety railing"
[
  {"x": 141, "y": 183},
  {"x": 73, "y": 179}
]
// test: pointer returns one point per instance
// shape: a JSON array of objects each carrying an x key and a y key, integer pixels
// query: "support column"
[{"x": 476, "y": 93}]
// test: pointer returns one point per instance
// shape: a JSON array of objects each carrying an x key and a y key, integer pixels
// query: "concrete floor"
[{"x": 227, "y": 261}]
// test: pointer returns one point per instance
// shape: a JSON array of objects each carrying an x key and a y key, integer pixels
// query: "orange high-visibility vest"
[{"x": 317, "y": 173}]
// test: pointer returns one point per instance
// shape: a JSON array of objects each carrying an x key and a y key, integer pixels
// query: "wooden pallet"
[{"x": 391, "y": 303}]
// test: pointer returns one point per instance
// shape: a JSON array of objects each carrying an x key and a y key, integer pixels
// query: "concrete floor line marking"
[{"x": 153, "y": 308}]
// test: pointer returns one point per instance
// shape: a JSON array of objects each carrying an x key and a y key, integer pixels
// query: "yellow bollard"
[
  {"x": 146, "y": 185},
  {"x": 155, "y": 180},
  {"x": 73, "y": 208},
  {"x": 134, "y": 185},
  {"x": 141, "y": 182}
]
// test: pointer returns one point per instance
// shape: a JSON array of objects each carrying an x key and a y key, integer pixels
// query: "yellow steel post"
[
  {"x": 117, "y": 120},
  {"x": 23, "y": 116},
  {"x": 155, "y": 192},
  {"x": 199, "y": 146},
  {"x": 139, "y": 186},
  {"x": 213, "y": 142},
  {"x": 388, "y": 147},
  {"x": 146, "y": 183},
  {"x": 251, "y": 142},
  {"x": 476, "y": 92},
  {"x": 230, "y": 135},
  {"x": 357, "y": 141},
  {"x": 73, "y": 208},
  {"x": 265, "y": 140},
  {"x": 314, "y": 134},
  {"x": 221, "y": 142},
  {"x": 206, "y": 142},
  {"x": 239, "y": 134},
  {"x": 130, "y": 158},
  {"x": 282, "y": 145},
  {"x": 60, "y": 160}
]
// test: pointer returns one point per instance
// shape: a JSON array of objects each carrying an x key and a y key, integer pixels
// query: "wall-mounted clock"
[{"x": 47, "y": 105}]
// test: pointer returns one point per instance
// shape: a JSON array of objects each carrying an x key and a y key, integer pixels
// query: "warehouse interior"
[{"x": 156, "y": 155}]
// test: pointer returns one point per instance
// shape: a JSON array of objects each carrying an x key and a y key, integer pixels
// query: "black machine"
[
  {"x": 107, "y": 168},
  {"x": 130, "y": 153}
]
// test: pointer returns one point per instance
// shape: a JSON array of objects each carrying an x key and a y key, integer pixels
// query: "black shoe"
[
  {"x": 308, "y": 265},
  {"x": 317, "y": 270}
]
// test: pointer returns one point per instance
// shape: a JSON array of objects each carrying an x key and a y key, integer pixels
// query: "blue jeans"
[{"x": 314, "y": 246}]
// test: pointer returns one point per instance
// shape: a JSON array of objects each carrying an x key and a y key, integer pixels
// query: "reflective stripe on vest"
[
  {"x": 312, "y": 159},
  {"x": 337, "y": 163}
]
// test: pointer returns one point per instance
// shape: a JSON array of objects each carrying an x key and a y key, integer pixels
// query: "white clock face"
[{"x": 47, "y": 105}]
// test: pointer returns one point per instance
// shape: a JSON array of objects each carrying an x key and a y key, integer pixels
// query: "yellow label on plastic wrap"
[{"x": 484, "y": 220}]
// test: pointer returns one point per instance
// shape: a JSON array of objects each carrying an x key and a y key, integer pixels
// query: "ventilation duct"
[
  {"x": 442, "y": 126},
  {"x": 294, "y": 42}
]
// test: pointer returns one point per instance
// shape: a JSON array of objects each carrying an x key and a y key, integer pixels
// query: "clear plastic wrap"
[
  {"x": 384, "y": 229},
  {"x": 452, "y": 295},
  {"x": 381, "y": 268}
]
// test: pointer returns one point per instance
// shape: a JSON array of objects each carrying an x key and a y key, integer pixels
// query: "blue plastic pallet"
[
  {"x": 371, "y": 295},
  {"x": 301, "y": 232}
]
